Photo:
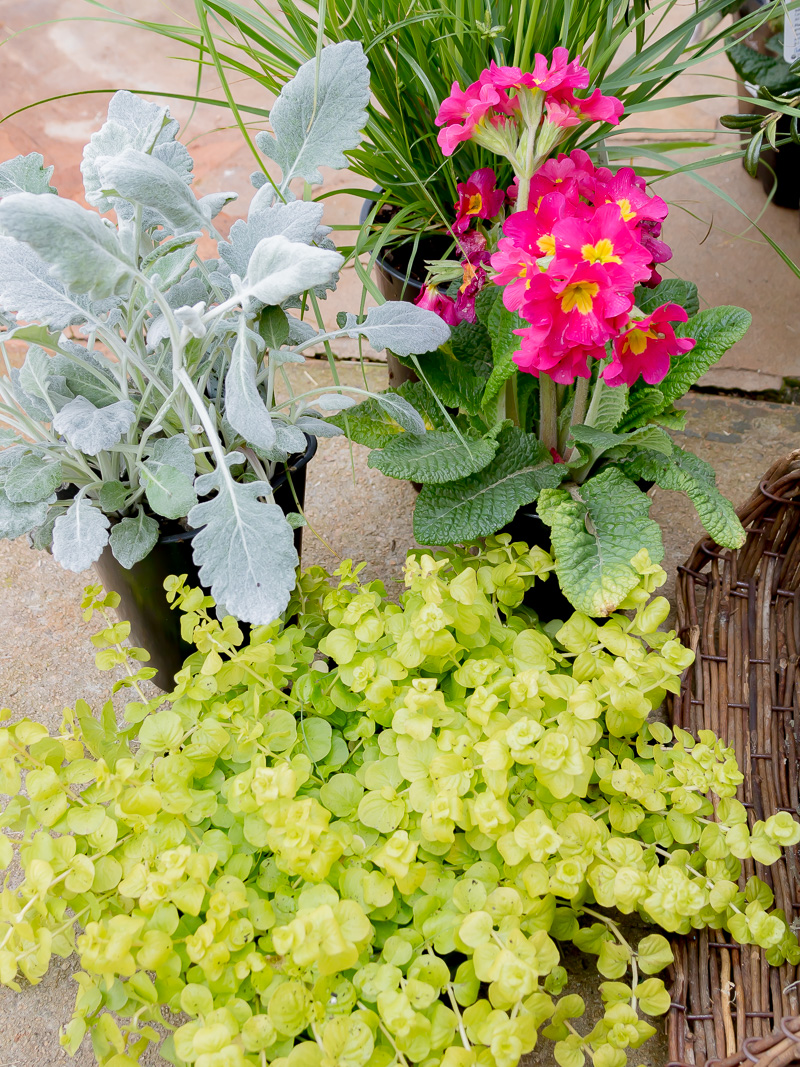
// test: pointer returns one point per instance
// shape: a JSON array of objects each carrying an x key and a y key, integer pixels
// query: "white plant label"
[{"x": 791, "y": 36}]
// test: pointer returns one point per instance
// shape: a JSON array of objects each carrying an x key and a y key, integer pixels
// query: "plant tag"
[{"x": 791, "y": 36}]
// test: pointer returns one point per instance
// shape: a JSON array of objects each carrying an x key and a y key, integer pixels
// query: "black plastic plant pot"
[
  {"x": 545, "y": 598},
  {"x": 154, "y": 625}
]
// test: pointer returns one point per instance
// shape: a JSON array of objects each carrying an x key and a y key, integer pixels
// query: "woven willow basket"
[{"x": 740, "y": 613}]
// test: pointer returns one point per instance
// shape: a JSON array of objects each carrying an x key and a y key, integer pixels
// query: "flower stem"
[
  {"x": 548, "y": 414},
  {"x": 579, "y": 404}
]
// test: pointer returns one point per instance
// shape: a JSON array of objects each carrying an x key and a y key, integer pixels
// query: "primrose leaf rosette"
[{"x": 360, "y": 838}]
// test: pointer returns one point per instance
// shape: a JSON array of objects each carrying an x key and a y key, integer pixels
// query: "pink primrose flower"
[
  {"x": 462, "y": 111},
  {"x": 472, "y": 247},
  {"x": 528, "y": 238},
  {"x": 605, "y": 241},
  {"x": 627, "y": 190},
  {"x": 574, "y": 176},
  {"x": 474, "y": 280},
  {"x": 646, "y": 347},
  {"x": 431, "y": 299},
  {"x": 478, "y": 198},
  {"x": 515, "y": 269},
  {"x": 584, "y": 309},
  {"x": 564, "y": 109},
  {"x": 563, "y": 366}
]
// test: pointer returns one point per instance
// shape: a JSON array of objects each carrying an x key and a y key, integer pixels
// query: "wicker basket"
[{"x": 740, "y": 613}]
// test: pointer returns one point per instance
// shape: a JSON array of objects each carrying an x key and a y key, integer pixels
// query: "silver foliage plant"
[{"x": 147, "y": 390}]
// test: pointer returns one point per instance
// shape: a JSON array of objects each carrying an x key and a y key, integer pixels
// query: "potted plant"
[
  {"x": 416, "y": 56},
  {"x": 567, "y": 352},
  {"x": 766, "y": 78},
  {"x": 363, "y": 838},
  {"x": 145, "y": 407}
]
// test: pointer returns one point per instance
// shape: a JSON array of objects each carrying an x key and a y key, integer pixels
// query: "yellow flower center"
[
  {"x": 579, "y": 295},
  {"x": 602, "y": 252},
  {"x": 627, "y": 211},
  {"x": 547, "y": 245},
  {"x": 469, "y": 274},
  {"x": 475, "y": 204},
  {"x": 636, "y": 340}
]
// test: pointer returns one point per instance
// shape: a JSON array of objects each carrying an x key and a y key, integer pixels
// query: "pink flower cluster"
[
  {"x": 570, "y": 264},
  {"x": 478, "y": 199},
  {"x": 490, "y": 108}
]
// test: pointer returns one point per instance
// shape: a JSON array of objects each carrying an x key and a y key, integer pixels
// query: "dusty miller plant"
[{"x": 147, "y": 391}]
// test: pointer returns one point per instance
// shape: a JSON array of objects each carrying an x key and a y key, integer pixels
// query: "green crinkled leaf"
[
  {"x": 645, "y": 402},
  {"x": 132, "y": 538},
  {"x": 437, "y": 456},
  {"x": 609, "y": 404},
  {"x": 684, "y": 472},
  {"x": 670, "y": 291},
  {"x": 595, "y": 443},
  {"x": 485, "y": 301},
  {"x": 501, "y": 324},
  {"x": 484, "y": 502},
  {"x": 459, "y": 370},
  {"x": 715, "y": 331},
  {"x": 596, "y": 536}
]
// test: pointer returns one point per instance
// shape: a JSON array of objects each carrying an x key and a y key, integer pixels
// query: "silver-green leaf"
[
  {"x": 79, "y": 535},
  {"x": 169, "y": 491},
  {"x": 25, "y": 174},
  {"x": 403, "y": 328},
  {"x": 244, "y": 407},
  {"x": 17, "y": 519},
  {"x": 30, "y": 292},
  {"x": 91, "y": 429},
  {"x": 144, "y": 179},
  {"x": 133, "y": 538},
  {"x": 83, "y": 250},
  {"x": 279, "y": 268},
  {"x": 245, "y": 551},
  {"x": 33, "y": 480},
  {"x": 319, "y": 114},
  {"x": 132, "y": 123}
]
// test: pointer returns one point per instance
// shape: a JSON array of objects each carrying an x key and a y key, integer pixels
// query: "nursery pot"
[
  {"x": 400, "y": 276},
  {"x": 154, "y": 625},
  {"x": 778, "y": 167},
  {"x": 545, "y": 598}
]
